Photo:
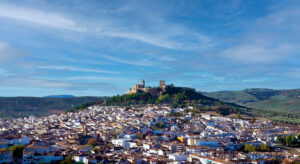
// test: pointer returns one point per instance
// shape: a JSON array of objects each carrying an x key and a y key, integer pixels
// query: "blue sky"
[{"x": 102, "y": 48}]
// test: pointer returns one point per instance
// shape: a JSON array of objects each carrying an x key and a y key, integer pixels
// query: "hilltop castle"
[{"x": 138, "y": 88}]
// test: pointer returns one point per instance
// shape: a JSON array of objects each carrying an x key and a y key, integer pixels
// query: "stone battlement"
[{"x": 139, "y": 88}]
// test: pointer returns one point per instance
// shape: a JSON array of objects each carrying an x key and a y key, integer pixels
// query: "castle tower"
[
  {"x": 143, "y": 83},
  {"x": 162, "y": 83}
]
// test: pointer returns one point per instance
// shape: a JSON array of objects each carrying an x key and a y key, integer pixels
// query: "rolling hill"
[
  {"x": 279, "y": 105},
  {"x": 60, "y": 96},
  {"x": 12, "y": 107}
]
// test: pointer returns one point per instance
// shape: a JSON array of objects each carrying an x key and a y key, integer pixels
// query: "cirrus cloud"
[
  {"x": 38, "y": 17},
  {"x": 255, "y": 53}
]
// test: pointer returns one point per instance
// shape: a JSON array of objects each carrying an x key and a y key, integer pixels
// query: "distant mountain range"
[
  {"x": 12, "y": 107},
  {"x": 60, "y": 96}
]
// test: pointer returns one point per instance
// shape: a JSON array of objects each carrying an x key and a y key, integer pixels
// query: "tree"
[
  {"x": 264, "y": 147},
  {"x": 293, "y": 140},
  {"x": 17, "y": 151},
  {"x": 68, "y": 160},
  {"x": 253, "y": 119},
  {"x": 195, "y": 107},
  {"x": 288, "y": 140},
  {"x": 279, "y": 139},
  {"x": 159, "y": 125},
  {"x": 163, "y": 98},
  {"x": 239, "y": 115},
  {"x": 193, "y": 114},
  {"x": 276, "y": 159},
  {"x": 249, "y": 148},
  {"x": 248, "y": 158},
  {"x": 219, "y": 104},
  {"x": 139, "y": 135},
  {"x": 179, "y": 97}
]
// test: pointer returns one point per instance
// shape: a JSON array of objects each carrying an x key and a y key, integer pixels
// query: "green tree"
[
  {"x": 253, "y": 119},
  {"x": 298, "y": 139},
  {"x": 276, "y": 159},
  {"x": 239, "y": 115},
  {"x": 163, "y": 98},
  {"x": 159, "y": 125},
  {"x": 248, "y": 158},
  {"x": 68, "y": 160},
  {"x": 293, "y": 140},
  {"x": 288, "y": 140},
  {"x": 264, "y": 147},
  {"x": 249, "y": 148},
  {"x": 193, "y": 114},
  {"x": 195, "y": 107},
  {"x": 17, "y": 151},
  {"x": 279, "y": 139},
  {"x": 139, "y": 135},
  {"x": 179, "y": 97}
]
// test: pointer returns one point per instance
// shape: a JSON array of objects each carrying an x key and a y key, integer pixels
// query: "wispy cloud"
[
  {"x": 178, "y": 38},
  {"x": 29, "y": 81},
  {"x": 44, "y": 18},
  {"x": 169, "y": 35},
  {"x": 257, "y": 53},
  {"x": 38, "y": 84},
  {"x": 270, "y": 38},
  {"x": 143, "y": 62},
  {"x": 68, "y": 68},
  {"x": 101, "y": 78},
  {"x": 93, "y": 78},
  {"x": 150, "y": 39}
]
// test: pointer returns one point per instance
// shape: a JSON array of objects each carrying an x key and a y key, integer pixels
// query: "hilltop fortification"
[{"x": 138, "y": 88}]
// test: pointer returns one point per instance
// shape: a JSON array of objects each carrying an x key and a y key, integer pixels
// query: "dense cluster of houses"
[{"x": 146, "y": 134}]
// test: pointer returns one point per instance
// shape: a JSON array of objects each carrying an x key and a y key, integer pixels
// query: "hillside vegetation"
[
  {"x": 278, "y": 105},
  {"x": 178, "y": 97},
  {"x": 12, "y": 107}
]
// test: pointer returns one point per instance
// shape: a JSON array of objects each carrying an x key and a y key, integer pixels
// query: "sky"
[{"x": 102, "y": 48}]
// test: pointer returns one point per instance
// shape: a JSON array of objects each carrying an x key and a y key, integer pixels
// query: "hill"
[
  {"x": 279, "y": 105},
  {"x": 60, "y": 96},
  {"x": 178, "y": 97},
  {"x": 12, "y": 107}
]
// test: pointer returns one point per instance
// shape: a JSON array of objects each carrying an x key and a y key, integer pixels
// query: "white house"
[
  {"x": 121, "y": 142},
  {"x": 178, "y": 157},
  {"x": 147, "y": 146},
  {"x": 81, "y": 158},
  {"x": 156, "y": 151},
  {"x": 132, "y": 144},
  {"x": 203, "y": 142}
]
